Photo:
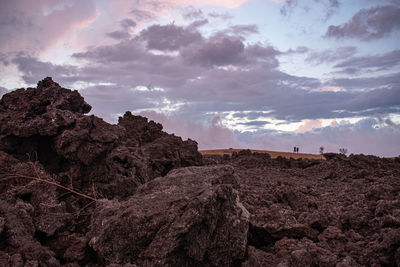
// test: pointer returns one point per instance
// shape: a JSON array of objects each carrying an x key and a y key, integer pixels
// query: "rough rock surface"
[
  {"x": 344, "y": 211},
  {"x": 46, "y": 124},
  {"x": 44, "y": 134},
  {"x": 77, "y": 191},
  {"x": 190, "y": 217}
]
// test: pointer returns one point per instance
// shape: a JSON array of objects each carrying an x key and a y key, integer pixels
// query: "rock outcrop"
[
  {"x": 47, "y": 144},
  {"x": 78, "y": 191},
  {"x": 47, "y": 124}
]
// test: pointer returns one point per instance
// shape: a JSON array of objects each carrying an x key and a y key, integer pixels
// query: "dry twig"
[{"x": 16, "y": 176}]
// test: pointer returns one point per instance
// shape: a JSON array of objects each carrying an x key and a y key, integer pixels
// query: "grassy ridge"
[{"x": 274, "y": 154}]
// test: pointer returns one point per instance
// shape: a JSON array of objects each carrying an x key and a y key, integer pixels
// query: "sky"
[{"x": 262, "y": 74}]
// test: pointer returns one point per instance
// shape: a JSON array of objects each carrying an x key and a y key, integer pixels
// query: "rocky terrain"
[{"x": 77, "y": 191}]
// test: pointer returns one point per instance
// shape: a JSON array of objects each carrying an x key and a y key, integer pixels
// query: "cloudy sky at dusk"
[{"x": 265, "y": 74}]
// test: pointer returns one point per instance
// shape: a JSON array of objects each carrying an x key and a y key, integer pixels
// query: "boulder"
[{"x": 190, "y": 217}]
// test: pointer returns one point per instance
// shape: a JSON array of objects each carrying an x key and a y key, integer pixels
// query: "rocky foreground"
[{"x": 76, "y": 191}]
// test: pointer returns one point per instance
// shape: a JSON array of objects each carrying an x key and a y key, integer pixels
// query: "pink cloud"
[
  {"x": 308, "y": 125},
  {"x": 224, "y": 3},
  {"x": 214, "y": 135},
  {"x": 33, "y": 26},
  {"x": 358, "y": 138}
]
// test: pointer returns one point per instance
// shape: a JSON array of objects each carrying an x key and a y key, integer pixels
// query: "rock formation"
[{"x": 76, "y": 191}]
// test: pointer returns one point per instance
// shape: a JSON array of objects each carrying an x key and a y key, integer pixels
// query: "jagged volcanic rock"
[
  {"x": 77, "y": 191},
  {"x": 45, "y": 134},
  {"x": 344, "y": 211},
  {"x": 47, "y": 124},
  {"x": 191, "y": 217}
]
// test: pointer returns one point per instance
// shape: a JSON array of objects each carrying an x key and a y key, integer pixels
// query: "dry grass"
[
  {"x": 274, "y": 154},
  {"x": 38, "y": 179}
]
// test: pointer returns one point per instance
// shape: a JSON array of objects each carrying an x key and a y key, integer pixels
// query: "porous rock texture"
[
  {"x": 344, "y": 211},
  {"x": 191, "y": 217},
  {"x": 47, "y": 124},
  {"x": 78, "y": 191}
]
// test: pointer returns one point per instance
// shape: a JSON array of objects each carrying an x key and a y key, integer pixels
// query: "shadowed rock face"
[{"x": 150, "y": 199}]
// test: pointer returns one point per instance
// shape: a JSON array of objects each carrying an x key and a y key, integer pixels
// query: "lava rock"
[{"x": 190, "y": 217}]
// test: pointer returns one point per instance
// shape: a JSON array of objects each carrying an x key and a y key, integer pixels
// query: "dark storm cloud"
[
  {"x": 381, "y": 62},
  {"x": 331, "y": 55},
  {"x": 368, "y": 24},
  {"x": 169, "y": 37}
]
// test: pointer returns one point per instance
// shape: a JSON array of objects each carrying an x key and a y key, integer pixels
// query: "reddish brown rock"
[
  {"x": 190, "y": 217},
  {"x": 130, "y": 201}
]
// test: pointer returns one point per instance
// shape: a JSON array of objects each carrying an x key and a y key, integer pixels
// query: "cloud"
[
  {"x": 297, "y": 50},
  {"x": 124, "y": 33},
  {"x": 289, "y": 5},
  {"x": 385, "y": 61},
  {"x": 169, "y": 37},
  {"x": 243, "y": 30},
  {"x": 376, "y": 99},
  {"x": 212, "y": 136},
  {"x": 141, "y": 15},
  {"x": 223, "y": 16},
  {"x": 362, "y": 137},
  {"x": 34, "y": 70},
  {"x": 2, "y": 91},
  {"x": 331, "y": 55},
  {"x": 329, "y": 6},
  {"x": 223, "y": 49},
  {"x": 119, "y": 35},
  {"x": 198, "y": 23},
  {"x": 223, "y": 3},
  {"x": 127, "y": 24},
  {"x": 308, "y": 125},
  {"x": 254, "y": 123},
  {"x": 219, "y": 52},
  {"x": 192, "y": 13},
  {"x": 367, "y": 83},
  {"x": 218, "y": 73},
  {"x": 37, "y": 25},
  {"x": 368, "y": 24}
]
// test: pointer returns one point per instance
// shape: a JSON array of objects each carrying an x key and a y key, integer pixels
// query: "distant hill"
[{"x": 273, "y": 154}]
